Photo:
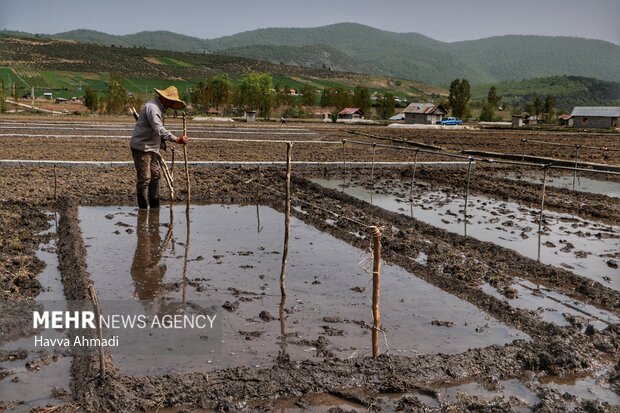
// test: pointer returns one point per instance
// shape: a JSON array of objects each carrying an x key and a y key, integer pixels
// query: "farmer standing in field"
[{"x": 148, "y": 136}]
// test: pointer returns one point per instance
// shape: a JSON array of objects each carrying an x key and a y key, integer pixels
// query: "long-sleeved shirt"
[{"x": 150, "y": 131}]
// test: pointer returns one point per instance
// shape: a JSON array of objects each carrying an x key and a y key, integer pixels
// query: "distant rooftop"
[
  {"x": 602, "y": 111},
  {"x": 426, "y": 108},
  {"x": 350, "y": 111}
]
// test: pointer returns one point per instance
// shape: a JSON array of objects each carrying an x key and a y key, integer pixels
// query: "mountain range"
[{"x": 357, "y": 48}]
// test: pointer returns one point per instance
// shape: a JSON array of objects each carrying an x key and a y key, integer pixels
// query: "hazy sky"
[{"x": 447, "y": 20}]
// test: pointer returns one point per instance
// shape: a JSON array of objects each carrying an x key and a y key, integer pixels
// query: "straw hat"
[{"x": 171, "y": 94}]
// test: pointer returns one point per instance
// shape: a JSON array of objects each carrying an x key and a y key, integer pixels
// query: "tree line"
[{"x": 255, "y": 91}]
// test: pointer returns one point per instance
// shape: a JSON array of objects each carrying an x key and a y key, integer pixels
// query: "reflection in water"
[
  {"x": 259, "y": 228},
  {"x": 283, "y": 354},
  {"x": 146, "y": 270},
  {"x": 185, "y": 255}
]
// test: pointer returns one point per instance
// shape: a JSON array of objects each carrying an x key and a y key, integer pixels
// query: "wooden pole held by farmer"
[{"x": 189, "y": 189}]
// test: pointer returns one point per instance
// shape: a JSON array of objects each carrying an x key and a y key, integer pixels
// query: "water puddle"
[
  {"x": 423, "y": 399},
  {"x": 552, "y": 306},
  {"x": 586, "y": 248},
  {"x": 35, "y": 378},
  {"x": 582, "y": 184},
  {"x": 588, "y": 388},
  {"x": 234, "y": 258}
]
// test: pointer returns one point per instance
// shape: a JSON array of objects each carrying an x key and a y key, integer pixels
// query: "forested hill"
[
  {"x": 567, "y": 91},
  {"x": 355, "y": 47}
]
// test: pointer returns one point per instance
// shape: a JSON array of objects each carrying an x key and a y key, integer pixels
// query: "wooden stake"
[
  {"x": 415, "y": 164},
  {"x": 54, "y": 181},
  {"x": 467, "y": 190},
  {"x": 344, "y": 163},
  {"x": 93, "y": 296},
  {"x": 577, "y": 147},
  {"x": 287, "y": 218},
  {"x": 187, "y": 184},
  {"x": 376, "y": 283},
  {"x": 372, "y": 170},
  {"x": 542, "y": 208}
]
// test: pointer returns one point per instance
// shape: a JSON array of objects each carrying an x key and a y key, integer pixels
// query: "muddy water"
[
  {"x": 522, "y": 398},
  {"x": 587, "y": 248},
  {"x": 553, "y": 306},
  {"x": 582, "y": 184},
  {"x": 234, "y": 258},
  {"x": 33, "y": 378},
  {"x": 589, "y": 388}
]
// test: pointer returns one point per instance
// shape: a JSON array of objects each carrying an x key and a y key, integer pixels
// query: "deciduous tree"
[
  {"x": 91, "y": 99},
  {"x": 308, "y": 97},
  {"x": 460, "y": 95},
  {"x": 116, "y": 95},
  {"x": 2, "y": 107},
  {"x": 220, "y": 90},
  {"x": 493, "y": 99},
  {"x": 386, "y": 105},
  {"x": 361, "y": 98},
  {"x": 255, "y": 92}
]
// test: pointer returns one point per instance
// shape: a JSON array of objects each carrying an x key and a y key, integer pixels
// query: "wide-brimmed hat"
[{"x": 171, "y": 94}]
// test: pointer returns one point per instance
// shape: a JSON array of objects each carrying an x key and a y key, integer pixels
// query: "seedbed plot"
[
  {"x": 587, "y": 248},
  {"x": 235, "y": 258},
  {"x": 31, "y": 377}
]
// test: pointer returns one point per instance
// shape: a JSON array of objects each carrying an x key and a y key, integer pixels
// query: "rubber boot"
[
  {"x": 142, "y": 195},
  {"x": 154, "y": 194}
]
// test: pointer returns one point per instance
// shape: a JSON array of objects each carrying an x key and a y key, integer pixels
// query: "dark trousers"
[
  {"x": 147, "y": 168},
  {"x": 147, "y": 178}
]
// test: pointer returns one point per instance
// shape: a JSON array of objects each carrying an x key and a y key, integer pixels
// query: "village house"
[
  {"x": 424, "y": 113},
  {"x": 565, "y": 120},
  {"x": 213, "y": 112},
  {"x": 595, "y": 116},
  {"x": 351, "y": 113}
]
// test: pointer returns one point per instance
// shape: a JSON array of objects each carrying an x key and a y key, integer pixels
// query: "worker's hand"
[{"x": 182, "y": 140}]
